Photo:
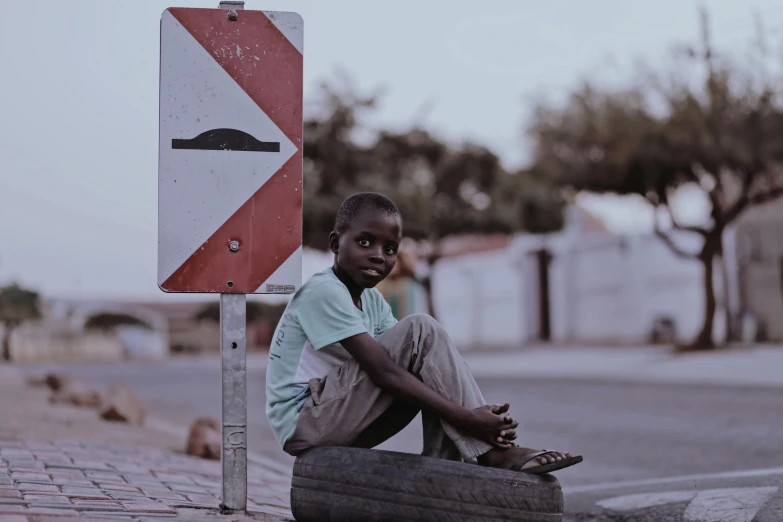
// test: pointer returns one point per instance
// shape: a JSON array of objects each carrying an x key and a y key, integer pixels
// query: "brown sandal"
[{"x": 545, "y": 468}]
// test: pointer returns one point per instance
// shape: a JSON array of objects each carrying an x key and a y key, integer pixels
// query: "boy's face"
[{"x": 367, "y": 250}]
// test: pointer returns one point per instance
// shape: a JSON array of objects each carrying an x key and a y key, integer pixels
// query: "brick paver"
[
  {"x": 35, "y": 486},
  {"x": 67, "y": 480}
]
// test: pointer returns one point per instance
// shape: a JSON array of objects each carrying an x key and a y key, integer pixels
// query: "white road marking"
[
  {"x": 728, "y": 505},
  {"x": 765, "y": 472},
  {"x": 713, "y": 505},
  {"x": 645, "y": 500}
]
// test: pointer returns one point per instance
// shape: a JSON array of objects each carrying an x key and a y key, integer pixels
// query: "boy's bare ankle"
[{"x": 493, "y": 458}]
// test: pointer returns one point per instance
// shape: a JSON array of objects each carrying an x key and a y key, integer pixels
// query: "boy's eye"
[
  {"x": 390, "y": 251},
  {"x": 364, "y": 242}
]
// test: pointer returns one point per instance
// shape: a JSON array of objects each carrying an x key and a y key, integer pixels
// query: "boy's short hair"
[{"x": 353, "y": 205}]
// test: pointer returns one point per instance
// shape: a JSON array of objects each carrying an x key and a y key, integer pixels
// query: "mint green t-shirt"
[{"x": 306, "y": 345}]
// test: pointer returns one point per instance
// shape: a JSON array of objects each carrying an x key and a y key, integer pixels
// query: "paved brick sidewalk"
[
  {"x": 60, "y": 479},
  {"x": 90, "y": 469}
]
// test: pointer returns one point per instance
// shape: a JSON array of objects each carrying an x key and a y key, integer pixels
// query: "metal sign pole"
[
  {"x": 233, "y": 345},
  {"x": 234, "y": 432}
]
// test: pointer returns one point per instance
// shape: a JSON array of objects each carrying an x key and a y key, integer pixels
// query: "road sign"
[
  {"x": 230, "y": 181},
  {"x": 230, "y": 151}
]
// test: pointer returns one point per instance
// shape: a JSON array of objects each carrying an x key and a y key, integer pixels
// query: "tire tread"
[{"x": 347, "y": 484}]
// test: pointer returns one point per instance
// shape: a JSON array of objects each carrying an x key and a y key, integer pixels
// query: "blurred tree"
[
  {"x": 721, "y": 132},
  {"x": 332, "y": 157},
  {"x": 447, "y": 191},
  {"x": 17, "y": 304},
  {"x": 441, "y": 190}
]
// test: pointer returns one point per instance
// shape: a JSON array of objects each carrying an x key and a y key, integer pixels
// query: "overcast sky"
[{"x": 79, "y": 103}]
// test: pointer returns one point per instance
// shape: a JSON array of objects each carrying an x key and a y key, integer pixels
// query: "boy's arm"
[{"x": 391, "y": 377}]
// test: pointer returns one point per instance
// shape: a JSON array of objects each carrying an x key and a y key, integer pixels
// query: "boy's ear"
[{"x": 334, "y": 241}]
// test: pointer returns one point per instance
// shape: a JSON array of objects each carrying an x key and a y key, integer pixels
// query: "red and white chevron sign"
[{"x": 230, "y": 156}]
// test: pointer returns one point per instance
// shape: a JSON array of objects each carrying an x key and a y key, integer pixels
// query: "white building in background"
[
  {"x": 755, "y": 267},
  {"x": 63, "y": 334},
  {"x": 613, "y": 289},
  {"x": 479, "y": 298},
  {"x": 600, "y": 288}
]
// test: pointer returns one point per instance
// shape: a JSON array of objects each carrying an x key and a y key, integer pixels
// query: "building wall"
[
  {"x": 601, "y": 289},
  {"x": 622, "y": 284},
  {"x": 36, "y": 342},
  {"x": 604, "y": 288},
  {"x": 141, "y": 343},
  {"x": 759, "y": 260},
  {"x": 477, "y": 298}
]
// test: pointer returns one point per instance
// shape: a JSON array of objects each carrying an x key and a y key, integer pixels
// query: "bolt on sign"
[{"x": 230, "y": 151}]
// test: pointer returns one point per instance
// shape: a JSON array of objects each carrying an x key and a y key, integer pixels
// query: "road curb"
[
  {"x": 576, "y": 377},
  {"x": 735, "y": 369}
]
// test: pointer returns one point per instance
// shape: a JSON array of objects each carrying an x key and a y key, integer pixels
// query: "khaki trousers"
[{"x": 346, "y": 408}]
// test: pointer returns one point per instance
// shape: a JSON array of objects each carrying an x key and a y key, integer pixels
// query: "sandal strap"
[{"x": 527, "y": 458}]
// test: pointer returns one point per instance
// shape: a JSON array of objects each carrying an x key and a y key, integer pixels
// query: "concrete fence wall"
[
  {"x": 477, "y": 298},
  {"x": 34, "y": 342}
]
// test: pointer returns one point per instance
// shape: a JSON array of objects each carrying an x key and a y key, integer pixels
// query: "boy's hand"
[
  {"x": 508, "y": 434},
  {"x": 485, "y": 425},
  {"x": 499, "y": 410}
]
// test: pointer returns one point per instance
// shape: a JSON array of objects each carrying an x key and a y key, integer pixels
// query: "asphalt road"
[{"x": 631, "y": 435}]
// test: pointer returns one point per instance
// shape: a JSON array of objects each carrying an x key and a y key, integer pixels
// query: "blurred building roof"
[
  {"x": 473, "y": 243},
  {"x": 578, "y": 221}
]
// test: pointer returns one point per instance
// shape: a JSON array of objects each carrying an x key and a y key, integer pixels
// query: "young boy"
[{"x": 343, "y": 372}]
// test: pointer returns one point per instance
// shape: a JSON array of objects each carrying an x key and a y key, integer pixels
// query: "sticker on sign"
[
  {"x": 230, "y": 151},
  {"x": 280, "y": 289}
]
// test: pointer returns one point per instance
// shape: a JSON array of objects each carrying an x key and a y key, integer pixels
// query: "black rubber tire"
[{"x": 361, "y": 485}]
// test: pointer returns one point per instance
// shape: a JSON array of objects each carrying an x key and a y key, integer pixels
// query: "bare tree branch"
[
  {"x": 746, "y": 201},
  {"x": 710, "y": 119},
  {"x": 674, "y": 247},
  {"x": 690, "y": 228},
  {"x": 669, "y": 241},
  {"x": 766, "y": 197}
]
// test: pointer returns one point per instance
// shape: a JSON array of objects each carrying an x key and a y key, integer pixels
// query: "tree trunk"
[
  {"x": 6, "y": 355},
  {"x": 704, "y": 340}
]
